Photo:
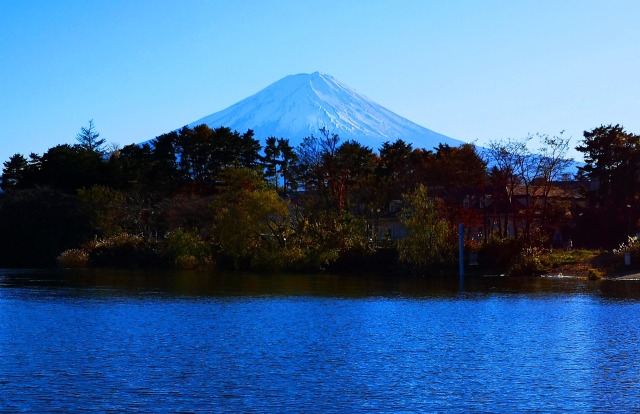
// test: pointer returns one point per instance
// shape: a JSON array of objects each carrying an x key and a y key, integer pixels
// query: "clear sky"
[{"x": 472, "y": 70}]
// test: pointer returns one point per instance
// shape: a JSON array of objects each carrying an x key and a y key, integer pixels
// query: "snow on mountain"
[{"x": 299, "y": 105}]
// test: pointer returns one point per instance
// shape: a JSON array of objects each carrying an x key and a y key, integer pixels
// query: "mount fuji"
[{"x": 299, "y": 105}]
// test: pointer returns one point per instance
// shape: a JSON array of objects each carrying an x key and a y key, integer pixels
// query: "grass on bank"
[
  {"x": 575, "y": 262},
  {"x": 184, "y": 250},
  {"x": 557, "y": 257},
  {"x": 594, "y": 264}
]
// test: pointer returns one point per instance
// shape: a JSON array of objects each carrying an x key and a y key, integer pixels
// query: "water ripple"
[{"x": 80, "y": 351}]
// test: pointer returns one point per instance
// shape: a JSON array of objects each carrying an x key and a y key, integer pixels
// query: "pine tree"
[
  {"x": 271, "y": 160},
  {"x": 13, "y": 172},
  {"x": 89, "y": 138},
  {"x": 288, "y": 159}
]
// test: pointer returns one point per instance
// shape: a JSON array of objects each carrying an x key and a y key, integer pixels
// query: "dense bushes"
[
  {"x": 500, "y": 254},
  {"x": 197, "y": 197},
  {"x": 429, "y": 240},
  {"x": 124, "y": 250},
  {"x": 187, "y": 250},
  {"x": 181, "y": 249}
]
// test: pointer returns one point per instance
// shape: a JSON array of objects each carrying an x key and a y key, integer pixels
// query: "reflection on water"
[
  {"x": 250, "y": 284},
  {"x": 135, "y": 341}
]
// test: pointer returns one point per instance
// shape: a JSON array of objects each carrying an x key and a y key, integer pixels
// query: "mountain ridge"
[{"x": 297, "y": 106}]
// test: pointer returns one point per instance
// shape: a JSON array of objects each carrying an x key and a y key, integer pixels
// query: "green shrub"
[
  {"x": 555, "y": 258},
  {"x": 528, "y": 263},
  {"x": 187, "y": 250},
  {"x": 427, "y": 244},
  {"x": 513, "y": 256}
]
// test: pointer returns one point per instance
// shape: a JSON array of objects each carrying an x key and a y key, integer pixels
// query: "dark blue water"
[{"x": 248, "y": 343}]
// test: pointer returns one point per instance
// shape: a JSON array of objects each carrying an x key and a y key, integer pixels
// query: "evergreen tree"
[
  {"x": 612, "y": 160},
  {"x": 13, "y": 172},
  {"x": 271, "y": 160},
  {"x": 288, "y": 158},
  {"x": 131, "y": 167},
  {"x": 163, "y": 173},
  {"x": 279, "y": 160},
  {"x": 201, "y": 154},
  {"x": 612, "y": 165},
  {"x": 353, "y": 164},
  {"x": 89, "y": 139},
  {"x": 70, "y": 168}
]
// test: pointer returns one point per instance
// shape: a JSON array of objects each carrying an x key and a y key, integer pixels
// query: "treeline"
[{"x": 215, "y": 197}]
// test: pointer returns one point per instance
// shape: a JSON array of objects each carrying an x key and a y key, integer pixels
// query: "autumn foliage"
[{"x": 201, "y": 197}]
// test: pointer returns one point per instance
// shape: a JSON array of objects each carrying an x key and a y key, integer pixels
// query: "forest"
[{"x": 199, "y": 198}]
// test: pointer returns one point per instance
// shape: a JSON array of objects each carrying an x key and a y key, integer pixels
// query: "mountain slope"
[{"x": 299, "y": 105}]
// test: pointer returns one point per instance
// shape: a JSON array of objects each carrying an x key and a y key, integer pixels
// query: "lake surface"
[{"x": 123, "y": 342}]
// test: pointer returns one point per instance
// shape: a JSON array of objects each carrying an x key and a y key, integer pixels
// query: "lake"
[{"x": 225, "y": 342}]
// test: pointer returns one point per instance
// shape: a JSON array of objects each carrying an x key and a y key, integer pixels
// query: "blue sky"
[{"x": 472, "y": 70}]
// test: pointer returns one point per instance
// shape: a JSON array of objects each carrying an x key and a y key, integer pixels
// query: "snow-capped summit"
[{"x": 299, "y": 105}]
